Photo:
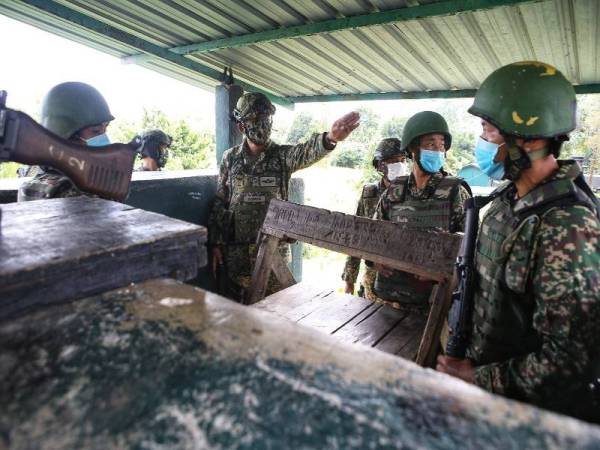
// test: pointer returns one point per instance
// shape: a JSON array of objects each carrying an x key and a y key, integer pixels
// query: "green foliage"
[
  {"x": 303, "y": 126},
  {"x": 585, "y": 140},
  {"x": 461, "y": 153},
  {"x": 190, "y": 149},
  {"x": 368, "y": 131},
  {"x": 393, "y": 127},
  {"x": 350, "y": 156}
]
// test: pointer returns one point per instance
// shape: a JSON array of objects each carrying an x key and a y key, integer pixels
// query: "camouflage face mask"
[{"x": 259, "y": 129}]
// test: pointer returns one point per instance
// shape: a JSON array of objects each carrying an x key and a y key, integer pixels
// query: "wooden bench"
[
  {"x": 425, "y": 253},
  {"x": 348, "y": 318}
]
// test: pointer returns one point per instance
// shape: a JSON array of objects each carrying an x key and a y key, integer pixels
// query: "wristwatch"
[{"x": 329, "y": 142}]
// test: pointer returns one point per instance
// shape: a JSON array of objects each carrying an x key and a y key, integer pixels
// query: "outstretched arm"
[{"x": 319, "y": 145}]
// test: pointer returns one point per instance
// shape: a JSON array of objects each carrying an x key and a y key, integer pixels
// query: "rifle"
[
  {"x": 105, "y": 171},
  {"x": 459, "y": 318}
]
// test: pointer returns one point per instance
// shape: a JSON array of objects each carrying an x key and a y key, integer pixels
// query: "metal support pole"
[{"x": 226, "y": 132}]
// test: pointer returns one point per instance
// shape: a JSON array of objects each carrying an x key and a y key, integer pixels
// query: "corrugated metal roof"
[{"x": 441, "y": 53}]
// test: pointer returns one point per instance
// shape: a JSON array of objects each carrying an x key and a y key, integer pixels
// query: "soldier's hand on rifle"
[
  {"x": 384, "y": 270},
  {"x": 342, "y": 127},
  {"x": 459, "y": 368},
  {"x": 349, "y": 289},
  {"x": 217, "y": 260}
]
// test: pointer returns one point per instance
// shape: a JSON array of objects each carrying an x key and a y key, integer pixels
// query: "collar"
[
  {"x": 249, "y": 157},
  {"x": 567, "y": 171},
  {"x": 428, "y": 189}
]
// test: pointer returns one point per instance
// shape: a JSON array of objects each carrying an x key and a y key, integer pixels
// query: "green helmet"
[
  {"x": 387, "y": 148},
  {"x": 527, "y": 99},
  {"x": 425, "y": 122},
  {"x": 252, "y": 104},
  {"x": 72, "y": 106},
  {"x": 153, "y": 140},
  {"x": 156, "y": 136}
]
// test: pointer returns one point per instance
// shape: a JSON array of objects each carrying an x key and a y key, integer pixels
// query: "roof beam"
[
  {"x": 444, "y": 8},
  {"x": 142, "y": 45},
  {"x": 593, "y": 88},
  {"x": 464, "y": 93},
  {"x": 459, "y": 93}
]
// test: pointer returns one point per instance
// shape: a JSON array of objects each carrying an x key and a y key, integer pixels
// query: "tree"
[
  {"x": 592, "y": 139},
  {"x": 461, "y": 153},
  {"x": 368, "y": 131},
  {"x": 190, "y": 149},
  {"x": 393, "y": 127},
  {"x": 303, "y": 126},
  {"x": 349, "y": 156}
]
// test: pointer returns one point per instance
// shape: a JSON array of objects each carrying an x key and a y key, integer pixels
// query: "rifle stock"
[{"x": 105, "y": 171}]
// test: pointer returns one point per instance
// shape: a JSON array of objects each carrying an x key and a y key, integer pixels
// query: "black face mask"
[{"x": 259, "y": 129}]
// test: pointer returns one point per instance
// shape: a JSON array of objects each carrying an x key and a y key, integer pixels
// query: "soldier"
[
  {"x": 537, "y": 295},
  {"x": 390, "y": 161},
  {"x": 252, "y": 174},
  {"x": 155, "y": 150},
  {"x": 426, "y": 199},
  {"x": 77, "y": 112}
]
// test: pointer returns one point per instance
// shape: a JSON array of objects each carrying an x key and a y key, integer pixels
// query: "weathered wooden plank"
[
  {"x": 262, "y": 268},
  {"x": 297, "y": 301},
  {"x": 440, "y": 302},
  {"x": 405, "y": 338},
  {"x": 61, "y": 249},
  {"x": 370, "y": 327},
  {"x": 165, "y": 365},
  {"x": 281, "y": 271},
  {"x": 336, "y": 313},
  {"x": 426, "y": 253},
  {"x": 298, "y": 295}
]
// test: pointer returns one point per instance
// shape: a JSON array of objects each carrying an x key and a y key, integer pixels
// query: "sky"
[{"x": 37, "y": 60}]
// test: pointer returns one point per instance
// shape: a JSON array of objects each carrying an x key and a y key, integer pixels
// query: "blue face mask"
[
  {"x": 98, "y": 141},
  {"x": 485, "y": 152},
  {"x": 432, "y": 160}
]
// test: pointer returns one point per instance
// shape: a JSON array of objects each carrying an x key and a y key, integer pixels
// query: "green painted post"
[{"x": 226, "y": 132}]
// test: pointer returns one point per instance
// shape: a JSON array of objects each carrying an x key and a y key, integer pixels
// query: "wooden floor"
[{"x": 348, "y": 318}]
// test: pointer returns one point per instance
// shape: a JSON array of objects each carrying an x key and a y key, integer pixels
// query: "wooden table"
[
  {"x": 160, "y": 364},
  {"x": 348, "y": 318},
  {"x": 67, "y": 248}
]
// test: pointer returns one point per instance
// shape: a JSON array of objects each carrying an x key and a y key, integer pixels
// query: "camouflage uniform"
[
  {"x": 246, "y": 185},
  {"x": 537, "y": 302},
  {"x": 366, "y": 208},
  {"x": 48, "y": 184},
  {"x": 439, "y": 205}
]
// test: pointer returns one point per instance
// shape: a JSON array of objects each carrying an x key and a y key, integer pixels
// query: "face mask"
[
  {"x": 485, "y": 152},
  {"x": 259, "y": 130},
  {"x": 431, "y": 160},
  {"x": 395, "y": 170},
  {"x": 98, "y": 141}
]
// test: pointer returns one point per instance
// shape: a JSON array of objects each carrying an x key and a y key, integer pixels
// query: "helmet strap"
[{"x": 518, "y": 159}]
